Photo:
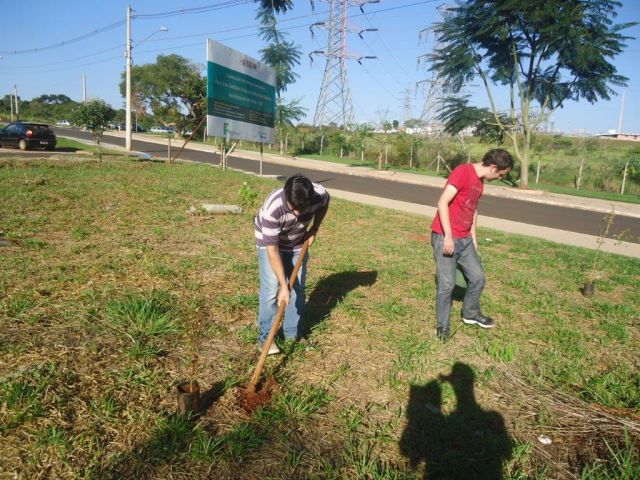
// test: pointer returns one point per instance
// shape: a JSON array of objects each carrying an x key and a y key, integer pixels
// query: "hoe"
[{"x": 252, "y": 398}]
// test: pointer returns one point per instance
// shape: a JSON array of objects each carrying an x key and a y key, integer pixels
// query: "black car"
[{"x": 25, "y": 135}]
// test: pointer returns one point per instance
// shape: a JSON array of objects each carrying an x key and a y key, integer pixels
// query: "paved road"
[{"x": 551, "y": 216}]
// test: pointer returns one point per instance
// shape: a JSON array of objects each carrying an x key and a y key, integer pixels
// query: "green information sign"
[
  {"x": 237, "y": 96},
  {"x": 240, "y": 95}
]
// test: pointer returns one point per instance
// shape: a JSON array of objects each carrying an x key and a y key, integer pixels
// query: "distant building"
[{"x": 634, "y": 137}]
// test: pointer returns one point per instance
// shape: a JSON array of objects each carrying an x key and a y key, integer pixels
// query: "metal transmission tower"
[
  {"x": 334, "y": 102},
  {"x": 436, "y": 91},
  {"x": 407, "y": 107}
]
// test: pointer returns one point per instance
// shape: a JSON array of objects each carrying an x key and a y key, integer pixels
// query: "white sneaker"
[{"x": 273, "y": 349}]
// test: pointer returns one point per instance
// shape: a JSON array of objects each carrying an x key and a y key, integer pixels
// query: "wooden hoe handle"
[{"x": 276, "y": 321}]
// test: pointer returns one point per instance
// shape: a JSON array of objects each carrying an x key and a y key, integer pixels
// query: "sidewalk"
[{"x": 537, "y": 196}]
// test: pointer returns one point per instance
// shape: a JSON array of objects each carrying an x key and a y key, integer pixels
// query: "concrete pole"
[
  {"x": 624, "y": 177},
  {"x": 621, "y": 113},
  {"x": 261, "y": 157},
  {"x": 128, "y": 82},
  {"x": 15, "y": 96},
  {"x": 11, "y": 103},
  {"x": 579, "y": 180},
  {"x": 84, "y": 88}
]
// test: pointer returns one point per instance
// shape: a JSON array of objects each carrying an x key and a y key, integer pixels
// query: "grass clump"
[
  {"x": 144, "y": 320},
  {"x": 623, "y": 463}
]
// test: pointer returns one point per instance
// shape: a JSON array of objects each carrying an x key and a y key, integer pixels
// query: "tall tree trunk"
[{"x": 524, "y": 165}]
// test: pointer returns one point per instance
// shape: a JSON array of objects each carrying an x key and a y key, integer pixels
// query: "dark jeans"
[{"x": 466, "y": 256}]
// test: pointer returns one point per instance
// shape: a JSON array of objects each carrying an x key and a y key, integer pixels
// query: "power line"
[
  {"x": 378, "y": 36},
  {"x": 185, "y": 11},
  {"x": 381, "y": 85},
  {"x": 165, "y": 39},
  {"x": 61, "y": 69},
  {"x": 389, "y": 72},
  {"x": 66, "y": 42},
  {"x": 203, "y": 9},
  {"x": 175, "y": 47},
  {"x": 122, "y": 46},
  {"x": 254, "y": 26}
]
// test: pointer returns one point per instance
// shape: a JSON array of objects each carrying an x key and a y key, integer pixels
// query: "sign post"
[{"x": 241, "y": 97}]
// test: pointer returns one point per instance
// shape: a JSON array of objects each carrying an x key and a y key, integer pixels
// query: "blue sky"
[{"x": 379, "y": 86}]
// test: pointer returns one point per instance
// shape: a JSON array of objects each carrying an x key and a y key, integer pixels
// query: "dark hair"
[
  {"x": 498, "y": 157},
  {"x": 298, "y": 191}
]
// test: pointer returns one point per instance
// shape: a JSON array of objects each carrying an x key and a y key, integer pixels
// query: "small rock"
[
  {"x": 543, "y": 439},
  {"x": 221, "y": 209}
]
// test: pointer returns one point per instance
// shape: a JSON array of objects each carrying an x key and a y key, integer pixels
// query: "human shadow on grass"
[
  {"x": 468, "y": 443},
  {"x": 327, "y": 293},
  {"x": 170, "y": 440}
]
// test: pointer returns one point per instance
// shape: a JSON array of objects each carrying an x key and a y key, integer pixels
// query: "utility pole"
[
  {"x": 128, "y": 82},
  {"x": 11, "y": 103},
  {"x": 621, "y": 112},
  {"x": 84, "y": 89},
  {"x": 15, "y": 95}
]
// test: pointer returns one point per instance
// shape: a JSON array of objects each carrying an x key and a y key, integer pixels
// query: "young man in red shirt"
[{"x": 453, "y": 238}]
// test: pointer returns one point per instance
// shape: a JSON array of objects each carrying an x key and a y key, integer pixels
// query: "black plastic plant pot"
[
  {"x": 188, "y": 397},
  {"x": 588, "y": 289}
]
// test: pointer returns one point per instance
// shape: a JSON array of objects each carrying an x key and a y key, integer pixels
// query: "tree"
[
  {"x": 458, "y": 115},
  {"x": 95, "y": 117},
  {"x": 412, "y": 123},
  {"x": 632, "y": 161},
  {"x": 282, "y": 56},
  {"x": 546, "y": 52},
  {"x": 279, "y": 6},
  {"x": 363, "y": 135},
  {"x": 172, "y": 88},
  {"x": 340, "y": 143},
  {"x": 53, "y": 99}
]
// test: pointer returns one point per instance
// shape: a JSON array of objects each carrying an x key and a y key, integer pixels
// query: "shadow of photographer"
[{"x": 468, "y": 443}]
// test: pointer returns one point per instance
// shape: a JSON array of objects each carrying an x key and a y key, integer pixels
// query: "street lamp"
[{"x": 128, "y": 75}]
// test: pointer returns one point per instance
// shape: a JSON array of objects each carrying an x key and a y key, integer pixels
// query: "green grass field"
[{"x": 111, "y": 293}]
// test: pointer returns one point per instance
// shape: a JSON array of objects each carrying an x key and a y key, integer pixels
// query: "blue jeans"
[
  {"x": 269, "y": 294},
  {"x": 465, "y": 256}
]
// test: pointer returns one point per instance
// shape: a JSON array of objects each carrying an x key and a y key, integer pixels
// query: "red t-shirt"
[{"x": 463, "y": 206}]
